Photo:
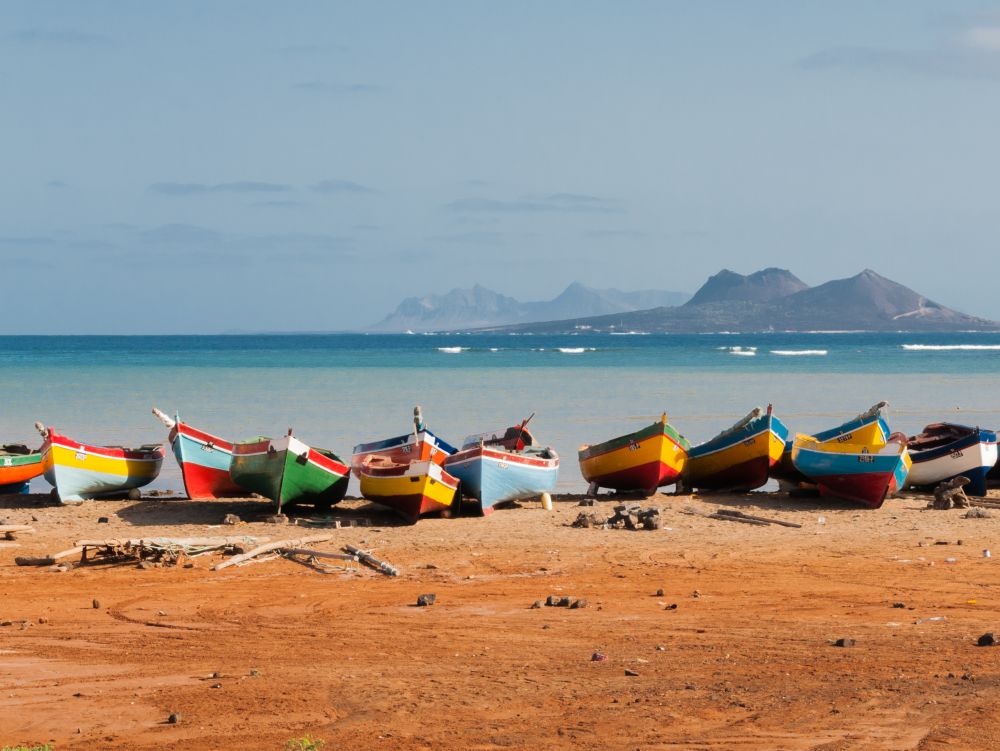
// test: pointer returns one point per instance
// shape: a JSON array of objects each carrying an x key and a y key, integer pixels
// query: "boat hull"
[
  {"x": 288, "y": 471},
  {"x": 492, "y": 475},
  {"x": 972, "y": 456},
  {"x": 404, "y": 449},
  {"x": 739, "y": 461},
  {"x": 204, "y": 460},
  {"x": 81, "y": 472},
  {"x": 17, "y": 470},
  {"x": 866, "y": 478},
  {"x": 644, "y": 460},
  {"x": 410, "y": 490}
]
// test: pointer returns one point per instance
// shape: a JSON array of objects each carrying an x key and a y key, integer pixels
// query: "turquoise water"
[{"x": 340, "y": 390}]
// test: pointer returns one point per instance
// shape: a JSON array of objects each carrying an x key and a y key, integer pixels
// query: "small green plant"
[
  {"x": 41, "y": 747},
  {"x": 305, "y": 743}
]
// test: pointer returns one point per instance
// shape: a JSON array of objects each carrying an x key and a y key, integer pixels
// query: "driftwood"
[
  {"x": 16, "y": 528},
  {"x": 320, "y": 554},
  {"x": 741, "y": 519},
  {"x": 271, "y": 546},
  {"x": 180, "y": 541},
  {"x": 48, "y": 560},
  {"x": 385, "y": 567},
  {"x": 740, "y": 514}
]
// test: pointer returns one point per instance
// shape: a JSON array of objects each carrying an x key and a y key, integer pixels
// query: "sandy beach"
[{"x": 253, "y": 656}]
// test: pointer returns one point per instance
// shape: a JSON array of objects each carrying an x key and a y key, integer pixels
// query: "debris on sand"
[
  {"x": 424, "y": 601},
  {"x": 987, "y": 640}
]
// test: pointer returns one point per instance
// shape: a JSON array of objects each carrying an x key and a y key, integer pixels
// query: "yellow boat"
[
  {"x": 644, "y": 460},
  {"x": 409, "y": 489}
]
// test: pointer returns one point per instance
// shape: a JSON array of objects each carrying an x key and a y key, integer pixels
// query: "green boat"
[{"x": 288, "y": 471}]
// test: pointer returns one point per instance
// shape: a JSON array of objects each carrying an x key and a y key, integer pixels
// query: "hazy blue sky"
[{"x": 204, "y": 166}]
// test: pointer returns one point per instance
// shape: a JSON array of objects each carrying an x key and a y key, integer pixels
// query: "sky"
[{"x": 200, "y": 167}]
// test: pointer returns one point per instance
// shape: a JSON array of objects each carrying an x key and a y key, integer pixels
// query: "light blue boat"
[{"x": 503, "y": 466}]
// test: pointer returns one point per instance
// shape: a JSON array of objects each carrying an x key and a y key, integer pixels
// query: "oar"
[{"x": 520, "y": 430}]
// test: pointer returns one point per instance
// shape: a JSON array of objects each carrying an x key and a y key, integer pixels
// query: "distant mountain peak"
[{"x": 766, "y": 284}]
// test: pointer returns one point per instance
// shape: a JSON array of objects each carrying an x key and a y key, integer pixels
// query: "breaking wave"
[
  {"x": 452, "y": 350},
  {"x": 576, "y": 350},
  {"x": 948, "y": 347},
  {"x": 798, "y": 352}
]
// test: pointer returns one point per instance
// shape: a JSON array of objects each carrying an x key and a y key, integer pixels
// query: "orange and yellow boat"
[
  {"x": 411, "y": 489},
  {"x": 644, "y": 460},
  {"x": 18, "y": 465}
]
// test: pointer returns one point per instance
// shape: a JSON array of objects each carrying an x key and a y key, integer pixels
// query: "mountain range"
[
  {"x": 480, "y": 307},
  {"x": 777, "y": 300}
]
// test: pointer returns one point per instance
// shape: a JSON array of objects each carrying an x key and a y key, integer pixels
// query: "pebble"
[
  {"x": 671, "y": 606},
  {"x": 43, "y": 619},
  {"x": 103, "y": 520},
  {"x": 96, "y": 604},
  {"x": 630, "y": 672},
  {"x": 660, "y": 648},
  {"x": 844, "y": 643},
  {"x": 537, "y": 604},
  {"x": 230, "y": 519},
  {"x": 899, "y": 605},
  {"x": 598, "y": 657},
  {"x": 987, "y": 640},
  {"x": 576, "y": 604},
  {"x": 216, "y": 685},
  {"x": 424, "y": 601},
  {"x": 174, "y": 718},
  {"x": 659, "y": 593}
]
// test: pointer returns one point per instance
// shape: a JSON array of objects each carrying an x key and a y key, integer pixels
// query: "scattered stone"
[
  {"x": 34, "y": 518},
  {"x": 424, "y": 601},
  {"x": 671, "y": 606},
  {"x": 216, "y": 674},
  {"x": 537, "y": 604},
  {"x": 598, "y": 657},
  {"x": 586, "y": 502},
  {"x": 844, "y": 643},
  {"x": 174, "y": 718},
  {"x": 577, "y": 604},
  {"x": 631, "y": 673},
  {"x": 230, "y": 519},
  {"x": 660, "y": 648},
  {"x": 103, "y": 520},
  {"x": 659, "y": 593},
  {"x": 899, "y": 605},
  {"x": 188, "y": 565},
  {"x": 96, "y": 604},
  {"x": 146, "y": 565},
  {"x": 968, "y": 677},
  {"x": 545, "y": 626},
  {"x": 216, "y": 685},
  {"x": 950, "y": 494},
  {"x": 977, "y": 513},
  {"x": 586, "y": 520},
  {"x": 696, "y": 594},
  {"x": 941, "y": 542},
  {"x": 987, "y": 640},
  {"x": 43, "y": 620},
  {"x": 254, "y": 673},
  {"x": 276, "y": 519},
  {"x": 551, "y": 600}
]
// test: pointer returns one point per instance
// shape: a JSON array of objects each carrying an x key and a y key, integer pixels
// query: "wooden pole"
[
  {"x": 49, "y": 559},
  {"x": 384, "y": 566},
  {"x": 281, "y": 544}
]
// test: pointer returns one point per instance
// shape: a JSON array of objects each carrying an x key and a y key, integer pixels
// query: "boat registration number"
[
  {"x": 7, "y": 461},
  {"x": 633, "y": 446},
  {"x": 845, "y": 437},
  {"x": 502, "y": 465},
  {"x": 749, "y": 441},
  {"x": 866, "y": 459},
  {"x": 80, "y": 456},
  {"x": 956, "y": 454},
  {"x": 406, "y": 449}
]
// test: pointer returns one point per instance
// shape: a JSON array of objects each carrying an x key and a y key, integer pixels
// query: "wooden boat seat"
[{"x": 938, "y": 434}]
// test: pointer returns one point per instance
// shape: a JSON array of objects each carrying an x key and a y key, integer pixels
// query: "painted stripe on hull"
[
  {"x": 643, "y": 477},
  {"x": 869, "y": 489},
  {"x": 20, "y": 470},
  {"x": 411, "y": 507},
  {"x": 287, "y": 471},
  {"x": 746, "y": 475},
  {"x": 739, "y": 461}
]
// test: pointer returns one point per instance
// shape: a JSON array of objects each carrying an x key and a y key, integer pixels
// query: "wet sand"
[{"x": 250, "y": 657}]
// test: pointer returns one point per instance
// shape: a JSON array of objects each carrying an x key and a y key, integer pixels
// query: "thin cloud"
[
  {"x": 56, "y": 184},
  {"x": 571, "y": 203},
  {"x": 194, "y": 189},
  {"x": 340, "y": 186},
  {"x": 57, "y": 37},
  {"x": 333, "y": 87},
  {"x": 491, "y": 239},
  {"x": 279, "y": 204}
]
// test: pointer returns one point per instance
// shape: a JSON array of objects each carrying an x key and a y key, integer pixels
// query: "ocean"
[{"x": 339, "y": 390}]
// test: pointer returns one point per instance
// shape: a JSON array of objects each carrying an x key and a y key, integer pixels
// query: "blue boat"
[
  {"x": 856, "y": 472},
  {"x": 944, "y": 451},
  {"x": 503, "y": 466}
]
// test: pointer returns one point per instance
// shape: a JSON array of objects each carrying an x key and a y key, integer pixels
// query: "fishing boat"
[
  {"x": 204, "y": 460},
  {"x": 288, "y": 471},
  {"x": 945, "y": 450},
  {"x": 868, "y": 428},
  {"x": 410, "y": 489},
  {"x": 419, "y": 445},
  {"x": 505, "y": 465},
  {"x": 866, "y": 474},
  {"x": 740, "y": 457},
  {"x": 644, "y": 460},
  {"x": 79, "y": 471},
  {"x": 18, "y": 466}
]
